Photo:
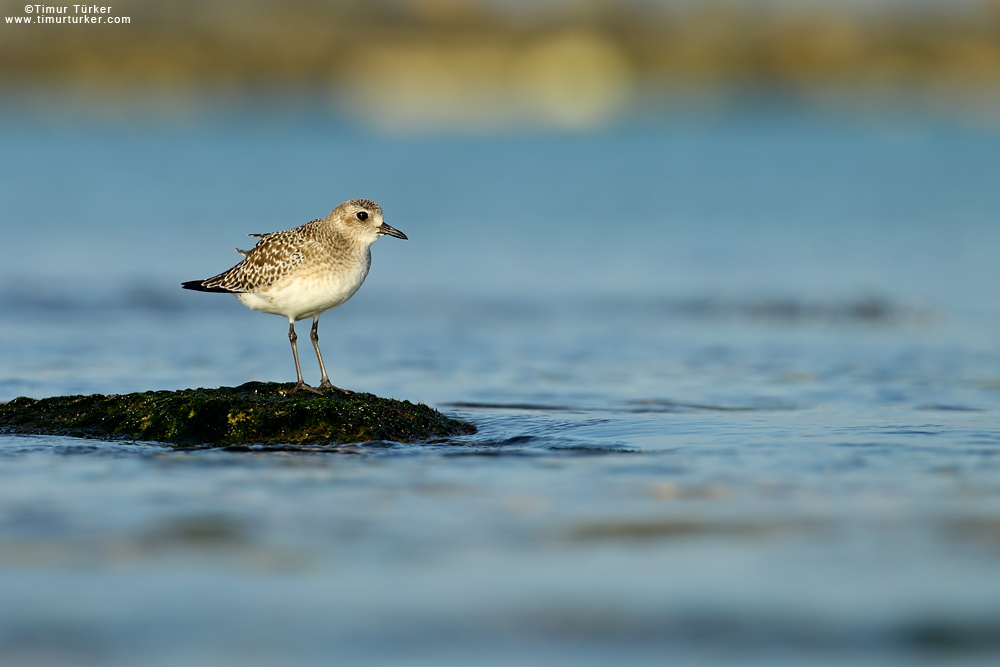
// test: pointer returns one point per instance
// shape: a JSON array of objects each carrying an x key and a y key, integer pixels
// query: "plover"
[{"x": 306, "y": 271}]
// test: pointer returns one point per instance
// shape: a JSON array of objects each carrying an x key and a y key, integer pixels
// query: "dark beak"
[{"x": 391, "y": 231}]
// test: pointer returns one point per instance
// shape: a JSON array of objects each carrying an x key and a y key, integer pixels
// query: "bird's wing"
[
  {"x": 260, "y": 236},
  {"x": 274, "y": 256}
]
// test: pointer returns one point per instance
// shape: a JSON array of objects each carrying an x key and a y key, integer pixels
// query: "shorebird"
[{"x": 306, "y": 271}]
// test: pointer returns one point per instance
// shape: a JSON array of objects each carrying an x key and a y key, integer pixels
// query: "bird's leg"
[
  {"x": 325, "y": 379},
  {"x": 314, "y": 335},
  {"x": 300, "y": 385}
]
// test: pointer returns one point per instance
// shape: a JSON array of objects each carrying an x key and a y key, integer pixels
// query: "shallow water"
[{"x": 736, "y": 383}]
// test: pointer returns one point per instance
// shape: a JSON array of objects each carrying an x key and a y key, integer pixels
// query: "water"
[{"x": 736, "y": 382}]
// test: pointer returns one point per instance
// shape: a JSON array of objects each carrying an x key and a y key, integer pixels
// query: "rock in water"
[{"x": 254, "y": 413}]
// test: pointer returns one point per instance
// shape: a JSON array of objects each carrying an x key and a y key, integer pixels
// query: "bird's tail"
[{"x": 199, "y": 285}]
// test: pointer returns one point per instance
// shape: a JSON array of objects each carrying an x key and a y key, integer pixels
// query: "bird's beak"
[{"x": 391, "y": 231}]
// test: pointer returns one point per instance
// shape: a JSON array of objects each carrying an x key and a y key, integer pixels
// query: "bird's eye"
[{"x": 362, "y": 215}]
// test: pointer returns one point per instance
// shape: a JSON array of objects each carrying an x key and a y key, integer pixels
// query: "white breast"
[{"x": 309, "y": 291}]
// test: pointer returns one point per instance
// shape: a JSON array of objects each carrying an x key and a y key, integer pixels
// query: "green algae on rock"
[{"x": 254, "y": 413}]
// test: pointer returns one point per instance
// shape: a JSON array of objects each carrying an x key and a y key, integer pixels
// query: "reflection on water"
[{"x": 761, "y": 431}]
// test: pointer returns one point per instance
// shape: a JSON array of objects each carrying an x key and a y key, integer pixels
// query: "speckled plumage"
[
  {"x": 275, "y": 255},
  {"x": 305, "y": 271}
]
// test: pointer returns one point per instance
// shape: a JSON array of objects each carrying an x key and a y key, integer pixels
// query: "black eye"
[{"x": 362, "y": 215}]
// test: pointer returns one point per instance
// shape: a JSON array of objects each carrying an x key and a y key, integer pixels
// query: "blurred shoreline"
[{"x": 454, "y": 64}]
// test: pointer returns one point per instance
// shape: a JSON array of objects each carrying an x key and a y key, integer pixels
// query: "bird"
[{"x": 304, "y": 272}]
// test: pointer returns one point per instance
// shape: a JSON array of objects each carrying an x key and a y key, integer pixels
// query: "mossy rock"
[{"x": 264, "y": 413}]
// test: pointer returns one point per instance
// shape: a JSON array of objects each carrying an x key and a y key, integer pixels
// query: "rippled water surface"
[{"x": 736, "y": 382}]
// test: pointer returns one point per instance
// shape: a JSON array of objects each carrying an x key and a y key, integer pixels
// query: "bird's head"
[{"x": 362, "y": 218}]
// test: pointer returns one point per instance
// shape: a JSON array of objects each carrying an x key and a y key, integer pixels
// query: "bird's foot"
[
  {"x": 326, "y": 384},
  {"x": 302, "y": 386}
]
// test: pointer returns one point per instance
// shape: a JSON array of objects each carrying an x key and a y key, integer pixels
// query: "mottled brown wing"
[{"x": 274, "y": 256}]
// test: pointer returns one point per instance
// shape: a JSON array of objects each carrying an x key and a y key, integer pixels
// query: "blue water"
[{"x": 737, "y": 384}]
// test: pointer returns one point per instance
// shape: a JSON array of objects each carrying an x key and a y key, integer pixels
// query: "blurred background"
[
  {"x": 716, "y": 280},
  {"x": 766, "y": 148},
  {"x": 493, "y": 65}
]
